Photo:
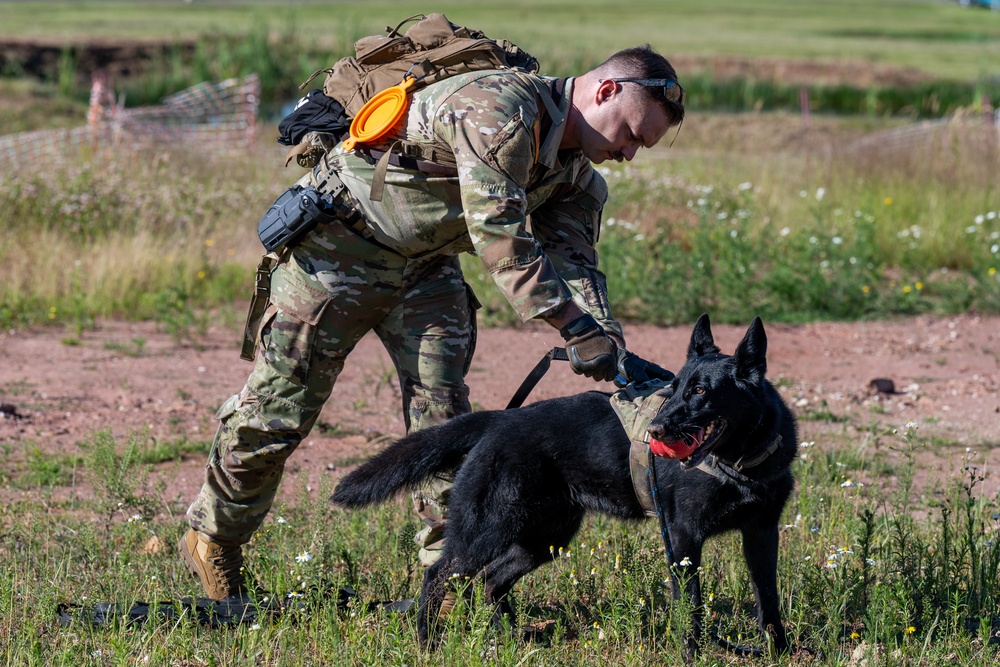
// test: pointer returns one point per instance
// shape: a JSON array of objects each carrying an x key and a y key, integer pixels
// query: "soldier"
[{"x": 490, "y": 162}]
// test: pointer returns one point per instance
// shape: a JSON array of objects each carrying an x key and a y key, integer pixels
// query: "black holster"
[{"x": 292, "y": 215}]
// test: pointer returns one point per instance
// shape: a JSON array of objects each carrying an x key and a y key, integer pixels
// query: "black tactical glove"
[
  {"x": 632, "y": 368},
  {"x": 591, "y": 352}
]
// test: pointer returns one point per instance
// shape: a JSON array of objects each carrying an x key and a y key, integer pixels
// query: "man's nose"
[{"x": 629, "y": 152}]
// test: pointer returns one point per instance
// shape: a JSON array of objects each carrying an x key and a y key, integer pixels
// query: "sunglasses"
[{"x": 671, "y": 90}]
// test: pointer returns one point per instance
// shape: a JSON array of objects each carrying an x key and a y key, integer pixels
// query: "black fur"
[{"x": 529, "y": 475}]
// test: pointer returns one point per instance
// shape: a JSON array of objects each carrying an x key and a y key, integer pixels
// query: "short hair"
[{"x": 643, "y": 62}]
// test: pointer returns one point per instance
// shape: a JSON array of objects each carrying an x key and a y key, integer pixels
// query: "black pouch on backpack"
[
  {"x": 313, "y": 113},
  {"x": 292, "y": 216}
]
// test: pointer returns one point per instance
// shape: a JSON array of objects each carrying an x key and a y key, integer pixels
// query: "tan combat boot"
[{"x": 218, "y": 566}]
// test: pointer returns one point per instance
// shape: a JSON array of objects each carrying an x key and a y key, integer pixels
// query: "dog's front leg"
[
  {"x": 685, "y": 562},
  {"x": 760, "y": 548},
  {"x": 436, "y": 601}
]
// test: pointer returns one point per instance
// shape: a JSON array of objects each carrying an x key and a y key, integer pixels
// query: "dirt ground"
[{"x": 129, "y": 376}]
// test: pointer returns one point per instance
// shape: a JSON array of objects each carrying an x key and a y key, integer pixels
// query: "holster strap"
[
  {"x": 258, "y": 304},
  {"x": 342, "y": 207}
]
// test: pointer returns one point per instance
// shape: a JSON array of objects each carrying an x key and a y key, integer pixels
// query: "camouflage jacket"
[{"x": 531, "y": 212}]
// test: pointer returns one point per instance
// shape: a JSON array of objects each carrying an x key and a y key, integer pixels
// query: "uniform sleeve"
[
  {"x": 491, "y": 125},
  {"x": 567, "y": 226}
]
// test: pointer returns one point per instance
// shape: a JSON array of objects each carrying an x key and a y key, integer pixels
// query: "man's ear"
[{"x": 606, "y": 90}]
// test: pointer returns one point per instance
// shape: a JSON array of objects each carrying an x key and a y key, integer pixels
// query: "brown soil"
[
  {"x": 127, "y": 377},
  {"x": 120, "y": 59}
]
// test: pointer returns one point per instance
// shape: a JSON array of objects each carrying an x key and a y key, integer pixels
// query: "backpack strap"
[
  {"x": 394, "y": 32},
  {"x": 437, "y": 157},
  {"x": 378, "y": 178},
  {"x": 543, "y": 92}
]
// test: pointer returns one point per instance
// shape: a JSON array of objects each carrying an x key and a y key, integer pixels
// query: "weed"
[
  {"x": 135, "y": 348},
  {"x": 174, "y": 311},
  {"x": 47, "y": 470},
  {"x": 16, "y": 388},
  {"x": 822, "y": 413},
  {"x": 115, "y": 472}
]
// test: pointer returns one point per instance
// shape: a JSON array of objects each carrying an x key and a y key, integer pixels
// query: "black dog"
[{"x": 527, "y": 476}]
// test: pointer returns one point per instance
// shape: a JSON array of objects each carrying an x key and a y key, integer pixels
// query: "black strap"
[
  {"x": 557, "y": 353},
  {"x": 661, "y": 518}
]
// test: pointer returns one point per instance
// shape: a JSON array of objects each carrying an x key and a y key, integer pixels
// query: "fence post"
[
  {"x": 804, "y": 105},
  {"x": 990, "y": 121},
  {"x": 95, "y": 113}
]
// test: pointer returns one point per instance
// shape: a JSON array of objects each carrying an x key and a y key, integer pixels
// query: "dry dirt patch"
[{"x": 128, "y": 376}]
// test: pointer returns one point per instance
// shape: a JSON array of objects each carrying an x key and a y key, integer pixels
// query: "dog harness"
[{"x": 636, "y": 405}]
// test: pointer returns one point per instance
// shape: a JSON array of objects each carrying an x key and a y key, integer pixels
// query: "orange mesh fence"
[{"x": 218, "y": 116}]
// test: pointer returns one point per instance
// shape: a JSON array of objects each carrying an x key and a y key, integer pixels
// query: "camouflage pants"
[{"x": 332, "y": 289}]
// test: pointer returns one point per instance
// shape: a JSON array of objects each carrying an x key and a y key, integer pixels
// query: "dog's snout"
[{"x": 656, "y": 430}]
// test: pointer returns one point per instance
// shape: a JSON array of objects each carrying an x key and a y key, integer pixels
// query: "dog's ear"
[
  {"x": 751, "y": 353},
  {"x": 702, "y": 342}
]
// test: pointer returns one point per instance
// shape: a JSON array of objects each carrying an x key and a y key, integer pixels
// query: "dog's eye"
[{"x": 698, "y": 389}]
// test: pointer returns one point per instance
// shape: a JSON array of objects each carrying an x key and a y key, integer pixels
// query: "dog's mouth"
[
  {"x": 692, "y": 448},
  {"x": 707, "y": 438}
]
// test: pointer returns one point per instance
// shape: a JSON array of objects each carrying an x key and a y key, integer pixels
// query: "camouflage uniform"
[{"x": 529, "y": 211}]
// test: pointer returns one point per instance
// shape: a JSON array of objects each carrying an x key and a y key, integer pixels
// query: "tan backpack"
[{"x": 432, "y": 49}]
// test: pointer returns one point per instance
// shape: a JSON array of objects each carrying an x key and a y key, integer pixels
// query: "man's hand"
[
  {"x": 591, "y": 352},
  {"x": 632, "y": 368}
]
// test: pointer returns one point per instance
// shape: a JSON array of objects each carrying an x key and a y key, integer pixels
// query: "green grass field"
[
  {"x": 749, "y": 213},
  {"x": 871, "y": 568},
  {"x": 933, "y": 36}
]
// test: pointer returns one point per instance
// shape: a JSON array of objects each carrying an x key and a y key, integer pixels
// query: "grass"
[
  {"x": 762, "y": 213},
  {"x": 873, "y": 563},
  {"x": 751, "y": 213},
  {"x": 935, "y": 57},
  {"x": 29, "y": 105},
  {"x": 933, "y": 36}
]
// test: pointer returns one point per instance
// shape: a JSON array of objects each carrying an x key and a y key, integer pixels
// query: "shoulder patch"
[{"x": 514, "y": 150}]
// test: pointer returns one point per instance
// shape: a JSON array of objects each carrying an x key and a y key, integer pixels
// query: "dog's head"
[{"x": 716, "y": 399}]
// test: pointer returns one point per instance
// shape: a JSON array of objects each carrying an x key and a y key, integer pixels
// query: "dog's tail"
[{"x": 409, "y": 461}]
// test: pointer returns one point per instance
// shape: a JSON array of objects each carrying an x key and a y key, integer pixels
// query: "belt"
[
  {"x": 413, "y": 164},
  {"x": 384, "y": 158},
  {"x": 343, "y": 209}
]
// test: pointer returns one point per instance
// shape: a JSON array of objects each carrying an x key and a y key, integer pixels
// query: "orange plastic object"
[
  {"x": 672, "y": 450},
  {"x": 379, "y": 114}
]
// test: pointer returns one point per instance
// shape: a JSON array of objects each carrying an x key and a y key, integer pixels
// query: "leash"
[
  {"x": 517, "y": 400},
  {"x": 664, "y": 533},
  {"x": 559, "y": 354}
]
